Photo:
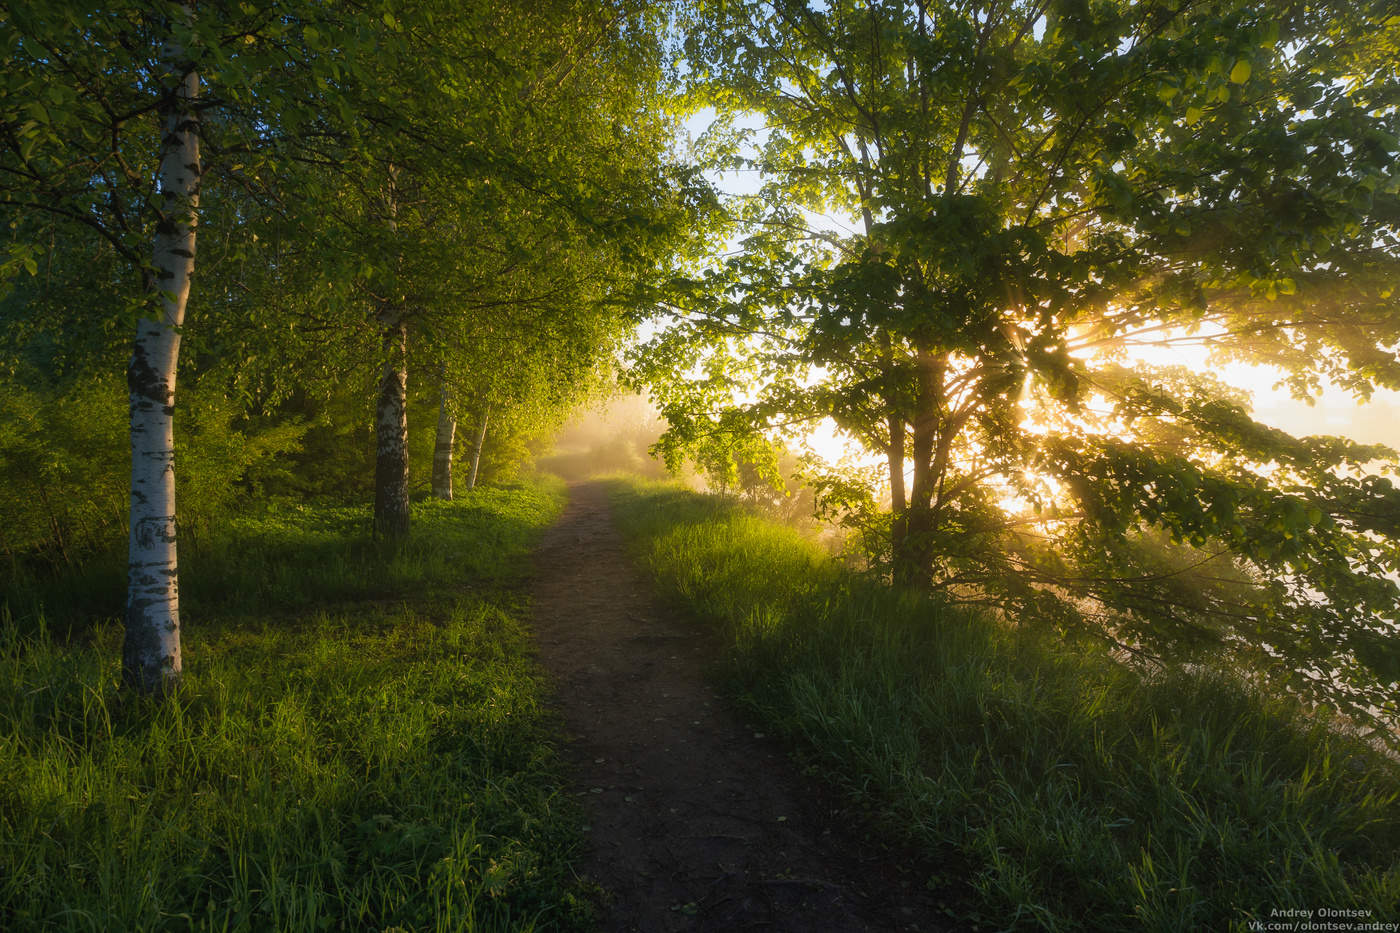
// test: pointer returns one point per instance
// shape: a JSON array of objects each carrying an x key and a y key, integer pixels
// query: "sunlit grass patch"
[
  {"x": 1068, "y": 792},
  {"x": 378, "y": 759}
]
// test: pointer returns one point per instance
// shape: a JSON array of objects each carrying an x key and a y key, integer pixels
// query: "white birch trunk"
[
  {"x": 151, "y": 649},
  {"x": 476, "y": 447},
  {"x": 442, "y": 448},
  {"x": 391, "y": 408},
  {"x": 391, "y": 437}
]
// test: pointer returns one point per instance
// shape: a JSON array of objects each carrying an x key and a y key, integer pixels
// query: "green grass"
[
  {"x": 1066, "y": 791},
  {"x": 359, "y": 742},
  {"x": 278, "y": 557}
]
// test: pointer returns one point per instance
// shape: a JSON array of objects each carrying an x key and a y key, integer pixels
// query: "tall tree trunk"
[
  {"x": 442, "y": 448},
  {"x": 391, "y": 435},
  {"x": 914, "y": 561},
  {"x": 899, "y": 506},
  {"x": 477, "y": 445},
  {"x": 151, "y": 649},
  {"x": 896, "y": 453},
  {"x": 391, "y": 409}
]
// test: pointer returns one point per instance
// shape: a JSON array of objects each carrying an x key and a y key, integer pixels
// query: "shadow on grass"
[
  {"x": 281, "y": 558},
  {"x": 370, "y": 765}
]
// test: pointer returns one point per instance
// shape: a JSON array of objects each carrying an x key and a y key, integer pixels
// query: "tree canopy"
[
  {"x": 476, "y": 189},
  {"x": 1034, "y": 189}
]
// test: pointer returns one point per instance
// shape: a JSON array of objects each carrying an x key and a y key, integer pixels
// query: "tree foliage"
[
  {"x": 476, "y": 188},
  {"x": 1034, "y": 191}
]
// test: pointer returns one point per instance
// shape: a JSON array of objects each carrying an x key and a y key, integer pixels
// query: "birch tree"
[
  {"x": 478, "y": 442},
  {"x": 68, "y": 85},
  {"x": 103, "y": 111},
  {"x": 526, "y": 174},
  {"x": 445, "y": 441},
  {"x": 425, "y": 168},
  {"x": 151, "y": 651}
]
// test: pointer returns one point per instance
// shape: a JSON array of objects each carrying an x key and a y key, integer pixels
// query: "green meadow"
[
  {"x": 359, "y": 742},
  {"x": 1058, "y": 789}
]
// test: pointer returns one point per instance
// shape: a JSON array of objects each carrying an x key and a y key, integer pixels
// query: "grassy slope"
[
  {"x": 360, "y": 743},
  {"x": 1068, "y": 792}
]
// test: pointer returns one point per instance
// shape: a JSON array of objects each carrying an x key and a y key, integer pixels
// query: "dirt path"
[{"x": 698, "y": 822}]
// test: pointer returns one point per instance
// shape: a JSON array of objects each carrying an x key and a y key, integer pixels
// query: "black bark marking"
[
  {"x": 146, "y": 666},
  {"x": 143, "y": 381}
]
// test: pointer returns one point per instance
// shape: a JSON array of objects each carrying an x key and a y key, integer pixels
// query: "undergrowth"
[
  {"x": 359, "y": 742},
  {"x": 1069, "y": 792}
]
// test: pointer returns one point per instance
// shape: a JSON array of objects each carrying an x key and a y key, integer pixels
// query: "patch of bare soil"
[{"x": 697, "y": 821}]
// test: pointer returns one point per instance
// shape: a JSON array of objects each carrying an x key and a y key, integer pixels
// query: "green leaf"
[{"x": 1241, "y": 72}]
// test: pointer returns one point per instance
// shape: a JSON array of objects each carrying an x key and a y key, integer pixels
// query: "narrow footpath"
[{"x": 698, "y": 822}]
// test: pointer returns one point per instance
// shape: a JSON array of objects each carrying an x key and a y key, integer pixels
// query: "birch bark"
[
  {"x": 391, "y": 408},
  {"x": 477, "y": 445},
  {"x": 442, "y": 448},
  {"x": 151, "y": 649},
  {"x": 391, "y": 435}
]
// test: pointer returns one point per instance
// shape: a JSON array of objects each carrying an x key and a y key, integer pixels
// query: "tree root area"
[{"x": 698, "y": 821}]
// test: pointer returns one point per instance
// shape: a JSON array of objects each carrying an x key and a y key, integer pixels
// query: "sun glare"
[{"x": 1333, "y": 412}]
